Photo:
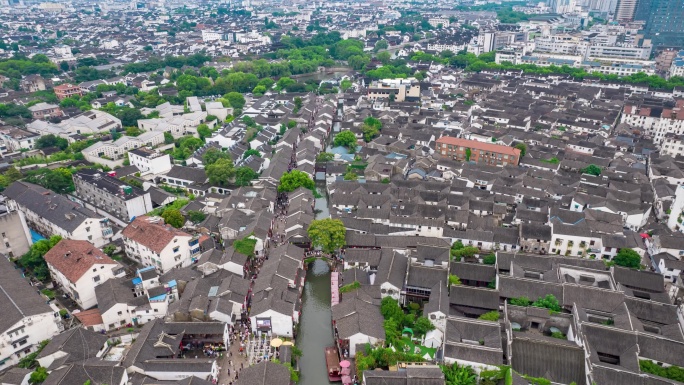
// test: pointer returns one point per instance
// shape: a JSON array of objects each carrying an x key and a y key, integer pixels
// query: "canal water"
[{"x": 315, "y": 329}]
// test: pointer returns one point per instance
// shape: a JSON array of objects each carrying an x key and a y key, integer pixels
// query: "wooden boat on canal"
[{"x": 332, "y": 361}]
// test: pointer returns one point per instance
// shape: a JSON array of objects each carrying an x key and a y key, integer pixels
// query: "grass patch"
[
  {"x": 48, "y": 293},
  {"x": 245, "y": 246},
  {"x": 423, "y": 350},
  {"x": 350, "y": 287}
]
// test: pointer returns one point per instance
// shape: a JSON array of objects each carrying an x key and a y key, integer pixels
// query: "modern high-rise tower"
[
  {"x": 664, "y": 21},
  {"x": 625, "y": 10}
]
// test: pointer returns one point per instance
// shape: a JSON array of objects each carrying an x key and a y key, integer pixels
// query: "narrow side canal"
[{"x": 315, "y": 329}]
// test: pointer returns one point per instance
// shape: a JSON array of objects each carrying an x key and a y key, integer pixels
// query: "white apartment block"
[
  {"x": 211, "y": 35},
  {"x": 151, "y": 242},
  {"x": 52, "y": 214},
  {"x": 673, "y": 145},
  {"x": 178, "y": 126},
  {"x": 636, "y": 53},
  {"x": 79, "y": 267},
  {"x": 657, "y": 125},
  {"x": 149, "y": 161},
  {"x": 26, "y": 318},
  {"x": 439, "y": 47},
  {"x": 436, "y": 21},
  {"x": 112, "y": 153},
  {"x": 677, "y": 68}
]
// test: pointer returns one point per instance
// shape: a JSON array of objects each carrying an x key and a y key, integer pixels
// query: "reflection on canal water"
[{"x": 315, "y": 329}]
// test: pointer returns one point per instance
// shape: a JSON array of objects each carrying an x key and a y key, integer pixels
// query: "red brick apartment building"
[
  {"x": 67, "y": 90},
  {"x": 480, "y": 152}
]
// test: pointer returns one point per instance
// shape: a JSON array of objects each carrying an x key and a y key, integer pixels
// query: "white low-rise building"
[
  {"x": 149, "y": 161},
  {"x": 52, "y": 214},
  {"x": 151, "y": 242},
  {"x": 79, "y": 267},
  {"x": 26, "y": 318}
]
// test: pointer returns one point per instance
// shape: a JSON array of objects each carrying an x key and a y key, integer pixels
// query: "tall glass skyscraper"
[{"x": 664, "y": 21}]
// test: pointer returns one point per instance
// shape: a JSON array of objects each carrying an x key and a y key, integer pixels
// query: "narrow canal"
[{"x": 315, "y": 329}]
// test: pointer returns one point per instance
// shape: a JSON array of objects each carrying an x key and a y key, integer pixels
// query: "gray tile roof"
[
  {"x": 18, "y": 299},
  {"x": 55, "y": 208}
]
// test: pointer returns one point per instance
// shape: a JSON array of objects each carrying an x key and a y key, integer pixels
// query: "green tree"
[
  {"x": 204, "y": 131},
  {"x": 173, "y": 217},
  {"x": 38, "y": 376},
  {"x": 58, "y": 180},
  {"x": 520, "y": 301},
  {"x": 251, "y": 152},
  {"x": 454, "y": 280},
  {"x": 212, "y": 155},
  {"x": 133, "y": 131},
  {"x": 220, "y": 172},
  {"x": 549, "y": 302},
  {"x": 371, "y": 128},
  {"x": 298, "y": 104},
  {"x": 51, "y": 140},
  {"x": 390, "y": 309},
  {"x": 384, "y": 57},
  {"x": 459, "y": 375},
  {"x": 33, "y": 259},
  {"x": 592, "y": 169},
  {"x": 380, "y": 45},
  {"x": 345, "y": 138},
  {"x": 468, "y": 154},
  {"x": 284, "y": 82},
  {"x": 523, "y": 149},
  {"x": 325, "y": 157},
  {"x": 422, "y": 325},
  {"x": 244, "y": 175},
  {"x": 168, "y": 138},
  {"x": 235, "y": 99},
  {"x": 328, "y": 234},
  {"x": 129, "y": 116},
  {"x": 489, "y": 259},
  {"x": 350, "y": 175},
  {"x": 293, "y": 180},
  {"x": 628, "y": 258},
  {"x": 259, "y": 91},
  {"x": 490, "y": 316},
  {"x": 196, "y": 216},
  {"x": 109, "y": 250},
  {"x": 345, "y": 84}
]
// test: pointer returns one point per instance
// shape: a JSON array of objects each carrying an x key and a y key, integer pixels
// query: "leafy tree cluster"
[
  {"x": 346, "y": 139},
  {"x": 548, "y": 302},
  {"x": 460, "y": 251},
  {"x": 459, "y": 375},
  {"x": 381, "y": 357},
  {"x": 18, "y": 66},
  {"x": 12, "y": 110},
  {"x": 673, "y": 372},
  {"x": 396, "y": 320},
  {"x": 627, "y": 258},
  {"x": 592, "y": 169},
  {"x": 9, "y": 176},
  {"x": 33, "y": 260},
  {"x": 371, "y": 128},
  {"x": 328, "y": 234},
  {"x": 293, "y": 180},
  {"x": 156, "y": 63},
  {"x": 87, "y": 74},
  {"x": 58, "y": 180},
  {"x": 173, "y": 217},
  {"x": 185, "y": 147},
  {"x": 221, "y": 172}
]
